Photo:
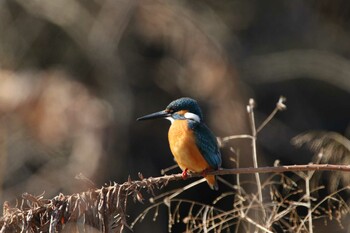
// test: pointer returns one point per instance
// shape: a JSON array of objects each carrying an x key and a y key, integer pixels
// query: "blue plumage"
[
  {"x": 185, "y": 103},
  {"x": 207, "y": 144}
]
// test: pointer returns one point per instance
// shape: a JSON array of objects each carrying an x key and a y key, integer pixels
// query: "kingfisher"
[{"x": 191, "y": 142}]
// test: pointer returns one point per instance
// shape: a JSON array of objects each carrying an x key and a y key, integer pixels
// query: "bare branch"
[
  {"x": 105, "y": 208},
  {"x": 280, "y": 169}
]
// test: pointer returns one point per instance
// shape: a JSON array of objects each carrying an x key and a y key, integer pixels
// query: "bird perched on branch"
[{"x": 193, "y": 145}]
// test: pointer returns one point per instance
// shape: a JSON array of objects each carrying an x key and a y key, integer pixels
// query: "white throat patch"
[
  {"x": 170, "y": 119},
  {"x": 192, "y": 116}
]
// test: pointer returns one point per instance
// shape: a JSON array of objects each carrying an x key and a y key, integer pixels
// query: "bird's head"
[{"x": 180, "y": 109}]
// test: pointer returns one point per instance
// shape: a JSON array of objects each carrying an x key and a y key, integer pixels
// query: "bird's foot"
[{"x": 184, "y": 174}]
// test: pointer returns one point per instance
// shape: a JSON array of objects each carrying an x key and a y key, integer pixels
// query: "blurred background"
[{"x": 74, "y": 76}]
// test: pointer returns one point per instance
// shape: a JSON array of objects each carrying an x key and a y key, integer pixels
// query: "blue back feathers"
[{"x": 207, "y": 144}]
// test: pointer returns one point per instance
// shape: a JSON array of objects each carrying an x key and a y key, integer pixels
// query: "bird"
[{"x": 192, "y": 143}]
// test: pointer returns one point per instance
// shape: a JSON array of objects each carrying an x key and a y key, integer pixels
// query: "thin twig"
[
  {"x": 317, "y": 205},
  {"x": 205, "y": 229},
  {"x": 238, "y": 180},
  {"x": 250, "y": 109},
  {"x": 267, "y": 120},
  {"x": 165, "y": 170},
  {"x": 256, "y": 224},
  {"x": 191, "y": 185},
  {"x": 280, "y": 106},
  {"x": 308, "y": 199},
  {"x": 222, "y": 141}
]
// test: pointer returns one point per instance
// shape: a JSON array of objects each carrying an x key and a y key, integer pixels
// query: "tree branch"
[
  {"x": 279, "y": 169},
  {"x": 110, "y": 201}
]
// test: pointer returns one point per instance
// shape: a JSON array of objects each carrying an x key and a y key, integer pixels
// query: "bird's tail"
[{"x": 212, "y": 181}]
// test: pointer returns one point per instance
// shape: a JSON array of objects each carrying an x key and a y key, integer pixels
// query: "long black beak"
[{"x": 161, "y": 114}]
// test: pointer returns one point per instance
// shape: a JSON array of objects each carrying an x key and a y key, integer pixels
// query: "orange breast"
[{"x": 183, "y": 146}]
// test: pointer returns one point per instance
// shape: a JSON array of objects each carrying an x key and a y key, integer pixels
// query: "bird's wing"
[{"x": 207, "y": 144}]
